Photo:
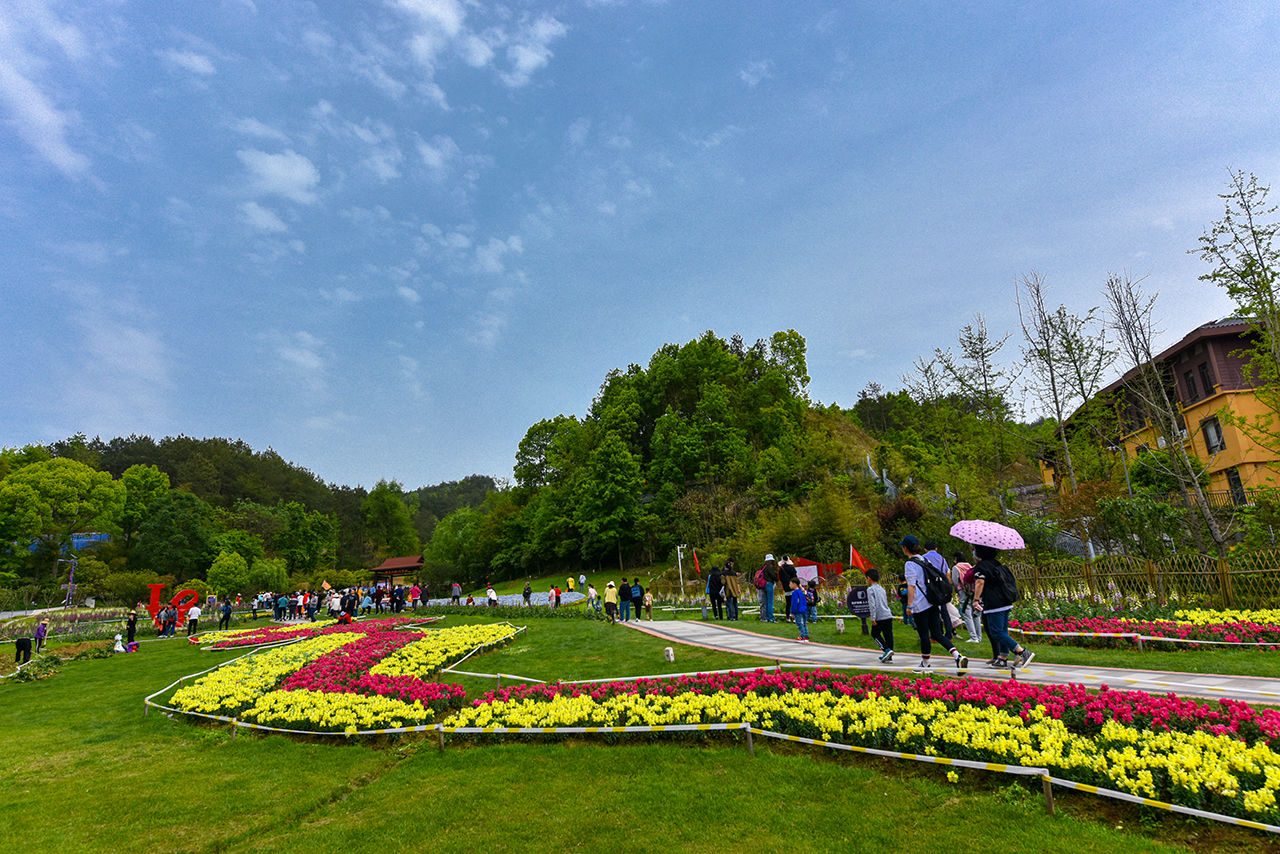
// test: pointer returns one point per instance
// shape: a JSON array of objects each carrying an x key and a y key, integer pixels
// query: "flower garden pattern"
[
  {"x": 273, "y": 634},
  {"x": 1260, "y": 629},
  {"x": 344, "y": 678},
  {"x": 1215, "y": 756}
]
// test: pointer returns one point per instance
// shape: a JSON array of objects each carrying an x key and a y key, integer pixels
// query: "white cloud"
[
  {"x": 607, "y": 208},
  {"x": 755, "y": 72},
  {"x": 486, "y": 329},
  {"x": 301, "y": 352},
  {"x": 408, "y": 294},
  {"x": 252, "y": 127},
  {"x": 37, "y": 118},
  {"x": 289, "y": 175},
  {"x": 530, "y": 49},
  {"x": 263, "y": 219},
  {"x": 341, "y": 296},
  {"x": 718, "y": 138},
  {"x": 438, "y": 23},
  {"x": 578, "y": 131},
  {"x": 475, "y": 51},
  {"x": 410, "y": 370},
  {"x": 124, "y": 378},
  {"x": 489, "y": 257},
  {"x": 438, "y": 153},
  {"x": 196, "y": 63}
]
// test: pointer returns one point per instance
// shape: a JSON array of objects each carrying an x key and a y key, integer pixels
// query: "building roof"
[
  {"x": 1227, "y": 327},
  {"x": 398, "y": 565}
]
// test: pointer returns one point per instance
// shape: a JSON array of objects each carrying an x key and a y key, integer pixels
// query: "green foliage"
[
  {"x": 229, "y": 574},
  {"x": 176, "y": 538},
  {"x": 1141, "y": 525},
  {"x": 387, "y": 522},
  {"x": 52, "y": 499},
  {"x": 268, "y": 573}
]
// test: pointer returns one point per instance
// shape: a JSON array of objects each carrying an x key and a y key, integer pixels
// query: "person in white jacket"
[{"x": 881, "y": 616}]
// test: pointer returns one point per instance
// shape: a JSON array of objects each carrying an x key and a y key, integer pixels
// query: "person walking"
[
  {"x": 996, "y": 590},
  {"x": 42, "y": 632},
  {"x": 881, "y": 616},
  {"x": 528, "y": 594},
  {"x": 131, "y": 627},
  {"x": 715, "y": 591},
  {"x": 732, "y": 589},
  {"x": 770, "y": 572},
  {"x": 786, "y": 572},
  {"x": 799, "y": 610},
  {"x": 962, "y": 572},
  {"x": 582, "y": 581},
  {"x": 648, "y": 605},
  {"x": 193, "y": 620},
  {"x": 624, "y": 600},
  {"x": 593, "y": 598},
  {"x": 415, "y": 596},
  {"x": 225, "y": 620},
  {"x": 492, "y": 596},
  {"x": 637, "y": 597},
  {"x": 928, "y": 615},
  {"x": 611, "y": 602}
]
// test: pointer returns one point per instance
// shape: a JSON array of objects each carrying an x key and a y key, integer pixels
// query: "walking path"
[{"x": 728, "y": 639}]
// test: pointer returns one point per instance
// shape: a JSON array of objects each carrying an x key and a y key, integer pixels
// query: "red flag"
[
  {"x": 857, "y": 561},
  {"x": 696, "y": 569}
]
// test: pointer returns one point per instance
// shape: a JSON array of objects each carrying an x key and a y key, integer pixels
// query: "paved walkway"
[{"x": 729, "y": 639}]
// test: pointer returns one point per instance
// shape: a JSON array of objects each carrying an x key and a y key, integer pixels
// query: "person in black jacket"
[
  {"x": 770, "y": 573},
  {"x": 624, "y": 600},
  {"x": 637, "y": 597},
  {"x": 786, "y": 575},
  {"x": 715, "y": 590}
]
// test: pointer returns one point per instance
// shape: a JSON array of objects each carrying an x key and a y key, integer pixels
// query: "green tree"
[
  {"x": 609, "y": 500},
  {"x": 144, "y": 485},
  {"x": 51, "y": 500},
  {"x": 229, "y": 574},
  {"x": 177, "y": 537},
  {"x": 387, "y": 522},
  {"x": 268, "y": 573}
]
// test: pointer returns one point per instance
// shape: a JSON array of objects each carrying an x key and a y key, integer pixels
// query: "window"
[
  {"x": 1238, "y": 496},
  {"x": 1206, "y": 378},
  {"x": 1214, "y": 441},
  {"x": 1190, "y": 381}
]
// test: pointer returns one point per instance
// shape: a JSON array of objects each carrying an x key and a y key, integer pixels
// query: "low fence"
[{"x": 1243, "y": 579}]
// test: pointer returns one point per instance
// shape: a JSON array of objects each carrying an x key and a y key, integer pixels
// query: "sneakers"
[
  {"x": 962, "y": 663},
  {"x": 1024, "y": 659},
  {"x": 886, "y": 656},
  {"x": 997, "y": 663},
  {"x": 923, "y": 667},
  {"x": 975, "y": 640}
]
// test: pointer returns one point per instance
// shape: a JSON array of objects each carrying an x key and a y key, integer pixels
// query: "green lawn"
[{"x": 86, "y": 771}]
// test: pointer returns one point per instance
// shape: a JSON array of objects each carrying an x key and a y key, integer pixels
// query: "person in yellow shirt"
[{"x": 611, "y": 602}]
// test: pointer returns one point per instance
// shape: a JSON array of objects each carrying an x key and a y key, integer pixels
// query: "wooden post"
[
  {"x": 440, "y": 739},
  {"x": 234, "y": 728},
  {"x": 751, "y": 745},
  {"x": 1224, "y": 582},
  {"x": 1048, "y": 794},
  {"x": 1139, "y": 640}
]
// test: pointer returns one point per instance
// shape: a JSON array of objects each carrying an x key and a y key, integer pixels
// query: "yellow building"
[{"x": 1206, "y": 374}]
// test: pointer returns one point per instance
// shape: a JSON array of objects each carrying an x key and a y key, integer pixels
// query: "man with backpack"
[
  {"x": 732, "y": 590},
  {"x": 715, "y": 591},
  {"x": 995, "y": 590},
  {"x": 928, "y": 592}
]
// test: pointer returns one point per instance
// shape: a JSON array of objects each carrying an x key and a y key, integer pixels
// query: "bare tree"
[{"x": 1132, "y": 320}]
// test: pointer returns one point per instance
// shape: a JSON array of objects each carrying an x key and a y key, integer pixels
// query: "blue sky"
[{"x": 385, "y": 238}]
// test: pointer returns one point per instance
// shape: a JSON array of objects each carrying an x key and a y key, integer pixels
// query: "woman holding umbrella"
[{"x": 994, "y": 589}]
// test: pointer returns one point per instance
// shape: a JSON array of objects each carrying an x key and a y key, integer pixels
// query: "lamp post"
[
  {"x": 680, "y": 564},
  {"x": 70, "y": 586},
  {"x": 1124, "y": 461}
]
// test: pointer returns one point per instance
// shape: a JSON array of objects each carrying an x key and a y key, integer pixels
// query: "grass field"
[{"x": 86, "y": 771}]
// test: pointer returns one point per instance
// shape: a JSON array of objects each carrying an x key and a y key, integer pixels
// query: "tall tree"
[
  {"x": 609, "y": 500},
  {"x": 1246, "y": 263},
  {"x": 387, "y": 522},
  {"x": 1132, "y": 320}
]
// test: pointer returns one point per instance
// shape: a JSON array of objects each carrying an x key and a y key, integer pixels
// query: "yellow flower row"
[
  {"x": 1207, "y": 617},
  {"x": 1199, "y": 766},
  {"x": 440, "y": 647},
  {"x": 323, "y": 712},
  {"x": 237, "y": 686}
]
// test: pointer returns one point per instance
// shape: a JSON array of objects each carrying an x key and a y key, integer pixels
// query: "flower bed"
[
  {"x": 1215, "y": 756},
  {"x": 344, "y": 678},
  {"x": 277, "y": 634},
  {"x": 1221, "y": 627}
]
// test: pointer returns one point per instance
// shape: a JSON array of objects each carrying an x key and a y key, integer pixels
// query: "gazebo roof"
[{"x": 399, "y": 565}]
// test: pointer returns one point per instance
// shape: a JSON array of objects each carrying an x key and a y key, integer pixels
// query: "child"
[
  {"x": 811, "y": 597},
  {"x": 881, "y": 616},
  {"x": 648, "y": 605},
  {"x": 902, "y": 597},
  {"x": 799, "y": 610}
]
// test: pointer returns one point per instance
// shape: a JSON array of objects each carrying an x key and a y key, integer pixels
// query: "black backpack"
[
  {"x": 1008, "y": 584},
  {"x": 937, "y": 588}
]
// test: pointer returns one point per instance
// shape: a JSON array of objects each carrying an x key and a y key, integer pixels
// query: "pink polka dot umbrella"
[{"x": 980, "y": 532}]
